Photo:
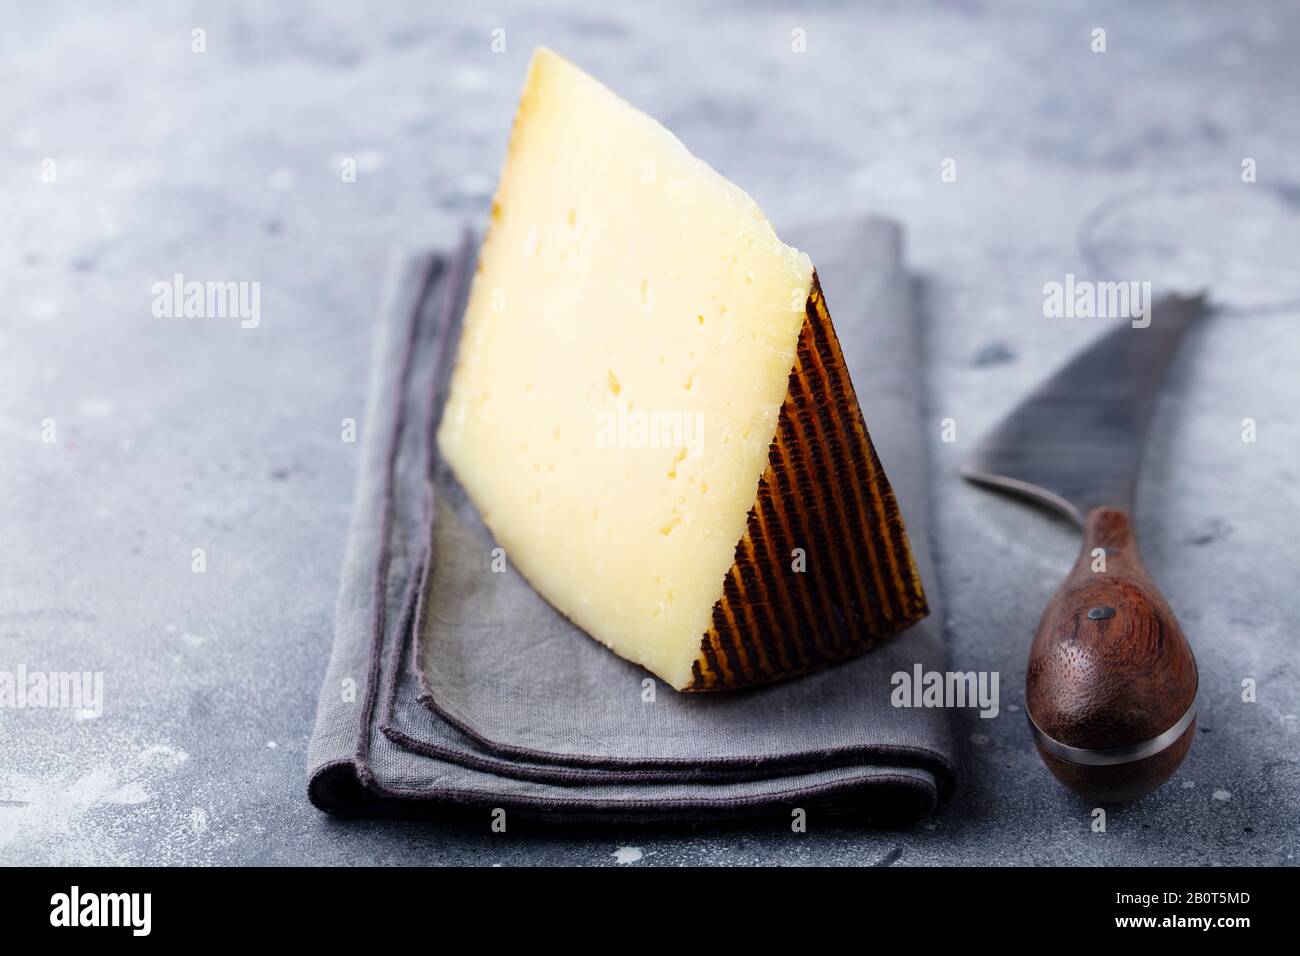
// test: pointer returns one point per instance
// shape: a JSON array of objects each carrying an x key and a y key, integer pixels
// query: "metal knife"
[{"x": 1110, "y": 690}]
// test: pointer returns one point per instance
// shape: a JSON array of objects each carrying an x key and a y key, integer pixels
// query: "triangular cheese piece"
[{"x": 651, "y": 412}]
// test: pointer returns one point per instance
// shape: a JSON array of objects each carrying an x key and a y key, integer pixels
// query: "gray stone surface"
[{"x": 178, "y": 434}]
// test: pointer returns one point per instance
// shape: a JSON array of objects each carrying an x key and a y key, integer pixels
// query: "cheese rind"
[
  {"x": 633, "y": 338},
  {"x": 823, "y": 500}
]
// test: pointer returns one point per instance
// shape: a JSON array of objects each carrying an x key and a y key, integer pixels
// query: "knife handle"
[{"x": 1110, "y": 690}]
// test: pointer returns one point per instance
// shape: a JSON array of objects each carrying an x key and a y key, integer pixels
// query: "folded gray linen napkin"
[{"x": 451, "y": 685}]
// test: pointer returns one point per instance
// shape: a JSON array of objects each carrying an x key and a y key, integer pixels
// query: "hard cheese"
[{"x": 651, "y": 413}]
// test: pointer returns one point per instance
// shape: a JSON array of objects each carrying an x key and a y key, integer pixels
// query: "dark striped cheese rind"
[{"x": 825, "y": 494}]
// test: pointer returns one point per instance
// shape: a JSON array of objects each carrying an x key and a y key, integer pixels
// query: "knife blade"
[
  {"x": 1110, "y": 687},
  {"x": 1076, "y": 442}
]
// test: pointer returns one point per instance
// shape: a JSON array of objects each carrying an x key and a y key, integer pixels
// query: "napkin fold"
[{"x": 451, "y": 685}]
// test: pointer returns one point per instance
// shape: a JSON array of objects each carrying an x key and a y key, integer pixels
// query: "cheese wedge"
[{"x": 650, "y": 410}]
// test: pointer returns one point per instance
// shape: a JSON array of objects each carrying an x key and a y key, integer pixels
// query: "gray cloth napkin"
[{"x": 451, "y": 685}]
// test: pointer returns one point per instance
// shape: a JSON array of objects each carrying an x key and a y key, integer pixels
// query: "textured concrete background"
[{"x": 180, "y": 434}]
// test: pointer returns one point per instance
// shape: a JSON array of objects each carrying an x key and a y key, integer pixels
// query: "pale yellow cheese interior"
[{"x": 620, "y": 275}]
